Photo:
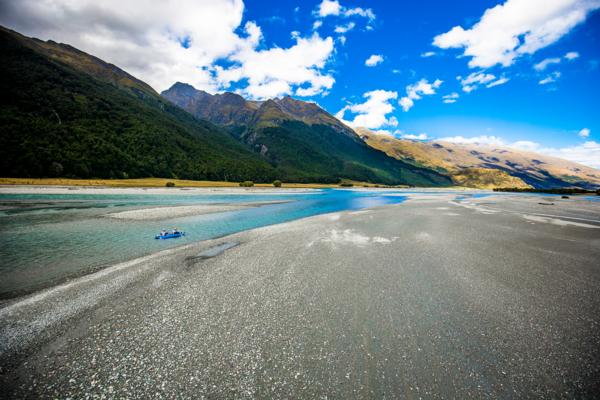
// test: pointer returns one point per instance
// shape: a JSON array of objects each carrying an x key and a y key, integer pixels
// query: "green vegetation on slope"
[
  {"x": 300, "y": 139},
  {"x": 317, "y": 153},
  {"x": 56, "y": 120}
]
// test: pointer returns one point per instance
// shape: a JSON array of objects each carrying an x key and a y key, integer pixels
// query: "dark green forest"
[{"x": 55, "y": 120}]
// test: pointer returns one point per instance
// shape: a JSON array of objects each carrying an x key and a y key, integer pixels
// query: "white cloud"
[
  {"x": 550, "y": 78},
  {"x": 361, "y": 12},
  {"x": 329, "y": 7},
  {"x": 373, "y": 112},
  {"x": 373, "y": 60},
  {"x": 450, "y": 98},
  {"x": 482, "y": 140},
  {"x": 572, "y": 55},
  {"x": 517, "y": 27},
  {"x": 274, "y": 72},
  {"x": 333, "y": 8},
  {"x": 584, "y": 133},
  {"x": 542, "y": 65},
  {"x": 525, "y": 145},
  {"x": 416, "y": 91},
  {"x": 498, "y": 82},
  {"x": 587, "y": 153},
  {"x": 345, "y": 28},
  {"x": 142, "y": 37},
  {"x": 145, "y": 39},
  {"x": 420, "y": 136},
  {"x": 428, "y": 54},
  {"x": 474, "y": 80}
]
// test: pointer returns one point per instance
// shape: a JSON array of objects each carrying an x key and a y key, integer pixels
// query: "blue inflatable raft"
[{"x": 170, "y": 235}]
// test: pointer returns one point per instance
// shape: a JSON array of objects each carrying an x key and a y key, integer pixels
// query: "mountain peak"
[
  {"x": 184, "y": 88},
  {"x": 232, "y": 109}
]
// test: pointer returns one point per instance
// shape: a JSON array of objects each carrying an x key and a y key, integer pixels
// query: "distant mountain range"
[
  {"x": 484, "y": 166},
  {"x": 64, "y": 112},
  {"x": 303, "y": 141}
]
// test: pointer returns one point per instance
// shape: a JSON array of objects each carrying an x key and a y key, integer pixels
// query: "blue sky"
[
  {"x": 520, "y": 109},
  {"x": 522, "y": 73}
]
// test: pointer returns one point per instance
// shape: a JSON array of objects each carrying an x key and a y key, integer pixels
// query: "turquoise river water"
[{"x": 45, "y": 239}]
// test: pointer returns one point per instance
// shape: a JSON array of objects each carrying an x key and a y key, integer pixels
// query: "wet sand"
[
  {"x": 432, "y": 298},
  {"x": 157, "y": 213}
]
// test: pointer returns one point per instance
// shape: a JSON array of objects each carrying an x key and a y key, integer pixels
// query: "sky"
[{"x": 518, "y": 73}]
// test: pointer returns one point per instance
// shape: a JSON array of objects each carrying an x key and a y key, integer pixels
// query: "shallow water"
[{"x": 45, "y": 239}]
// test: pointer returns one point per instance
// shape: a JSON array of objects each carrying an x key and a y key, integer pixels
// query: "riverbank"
[
  {"x": 57, "y": 189},
  {"x": 463, "y": 298},
  {"x": 161, "y": 183}
]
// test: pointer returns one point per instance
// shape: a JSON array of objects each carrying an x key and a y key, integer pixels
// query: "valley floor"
[{"x": 435, "y": 297}]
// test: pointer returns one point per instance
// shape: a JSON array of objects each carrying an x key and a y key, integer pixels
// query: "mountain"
[
  {"x": 301, "y": 140},
  {"x": 64, "y": 112},
  {"x": 84, "y": 62},
  {"x": 231, "y": 109},
  {"x": 483, "y": 166}
]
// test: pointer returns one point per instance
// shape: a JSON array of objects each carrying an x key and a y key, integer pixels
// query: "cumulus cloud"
[
  {"x": 273, "y": 72},
  {"x": 450, "y": 98},
  {"x": 416, "y": 91},
  {"x": 373, "y": 60},
  {"x": 182, "y": 40},
  {"x": 428, "y": 54},
  {"x": 517, "y": 27},
  {"x": 584, "y": 133},
  {"x": 550, "y": 78},
  {"x": 481, "y": 140},
  {"x": 420, "y": 136},
  {"x": 373, "y": 112},
  {"x": 329, "y": 8}
]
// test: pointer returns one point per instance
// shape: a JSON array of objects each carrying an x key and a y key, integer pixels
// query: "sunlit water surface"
[{"x": 45, "y": 239}]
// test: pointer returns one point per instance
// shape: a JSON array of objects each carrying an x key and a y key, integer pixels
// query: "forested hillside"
[{"x": 58, "y": 121}]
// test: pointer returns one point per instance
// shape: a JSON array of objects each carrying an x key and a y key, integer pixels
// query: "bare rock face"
[{"x": 232, "y": 109}]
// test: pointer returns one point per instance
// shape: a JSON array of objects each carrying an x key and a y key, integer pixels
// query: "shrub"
[
  {"x": 346, "y": 184},
  {"x": 277, "y": 183},
  {"x": 56, "y": 169},
  {"x": 170, "y": 184},
  {"x": 247, "y": 184}
]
